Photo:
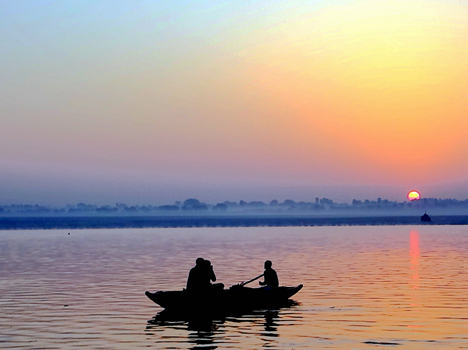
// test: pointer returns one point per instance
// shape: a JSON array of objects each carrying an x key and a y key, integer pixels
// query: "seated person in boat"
[
  {"x": 200, "y": 277},
  {"x": 196, "y": 279},
  {"x": 270, "y": 278}
]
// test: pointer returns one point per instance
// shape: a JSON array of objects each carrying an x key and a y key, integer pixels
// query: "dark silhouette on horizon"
[
  {"x": 426, "y": 218},
  {"x": 194, "y": 213}
]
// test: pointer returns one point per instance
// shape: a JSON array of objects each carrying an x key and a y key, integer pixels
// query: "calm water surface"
[{"x": 364, "y": 287}]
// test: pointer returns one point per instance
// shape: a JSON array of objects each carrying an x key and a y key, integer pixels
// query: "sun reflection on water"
[
  {"x": 414, "y": 261},
  {"x": 415, "y": 254}
]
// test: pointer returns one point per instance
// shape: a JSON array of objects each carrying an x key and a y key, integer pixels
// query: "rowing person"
[{"x": 270, "y": 278}]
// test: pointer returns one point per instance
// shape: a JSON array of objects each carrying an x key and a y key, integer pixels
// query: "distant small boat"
[
  {"x": 232, "y": 299},
  {"x": 426, "y": 218}
]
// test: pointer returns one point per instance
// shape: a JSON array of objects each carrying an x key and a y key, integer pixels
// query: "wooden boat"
[{"x": 235, "y": 298}]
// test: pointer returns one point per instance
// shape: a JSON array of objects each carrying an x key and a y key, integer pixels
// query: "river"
[{"x": 370, "y": 287}]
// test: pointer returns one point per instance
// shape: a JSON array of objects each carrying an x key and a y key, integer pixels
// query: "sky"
[{"x": 149, "y": 102}]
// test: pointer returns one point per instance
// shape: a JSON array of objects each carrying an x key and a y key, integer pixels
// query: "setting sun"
[{"x": 414, "y": 196}]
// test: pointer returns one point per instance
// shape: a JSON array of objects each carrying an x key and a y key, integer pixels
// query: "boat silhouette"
[
  {"x": 426, "y": 218},
  {"x": 236, "y": 299}
]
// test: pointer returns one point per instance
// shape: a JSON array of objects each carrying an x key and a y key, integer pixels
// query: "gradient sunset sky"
[{"x": 149, "y": 102}]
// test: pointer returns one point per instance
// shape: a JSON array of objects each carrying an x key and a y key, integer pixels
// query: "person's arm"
[
  {"x": 264, "y": 282},
  {"x": 212, "y": 274}
]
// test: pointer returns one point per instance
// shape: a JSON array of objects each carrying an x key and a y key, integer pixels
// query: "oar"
[{"x": 253, "y": 279}]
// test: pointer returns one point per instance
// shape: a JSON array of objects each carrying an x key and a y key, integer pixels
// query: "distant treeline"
[{"x": 192, "y": 205}]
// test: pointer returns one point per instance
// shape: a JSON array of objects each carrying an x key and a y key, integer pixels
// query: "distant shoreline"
[{"x": 109, "y": 222}]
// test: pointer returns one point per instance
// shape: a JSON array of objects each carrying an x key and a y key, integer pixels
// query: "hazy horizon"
[
  {"x": 153, "y": 102},
  {"x": 152, "y": 194}
]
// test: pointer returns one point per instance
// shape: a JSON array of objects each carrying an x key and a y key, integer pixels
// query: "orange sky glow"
[{"x": 276, "y": 98}]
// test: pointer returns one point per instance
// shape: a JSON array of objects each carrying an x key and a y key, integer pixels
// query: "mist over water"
[{"x": 398, "y": 286}]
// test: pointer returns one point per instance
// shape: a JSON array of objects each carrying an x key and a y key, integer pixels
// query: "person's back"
[
  {"x": 196, "y": 280},
  {"x": 269, "y": 275}
]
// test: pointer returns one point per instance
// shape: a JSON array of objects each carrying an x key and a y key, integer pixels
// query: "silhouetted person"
[
  {"x": 270, "y": 278},
  {"x": 197, "y": 277},
  {"x": 200, "y": 277}
]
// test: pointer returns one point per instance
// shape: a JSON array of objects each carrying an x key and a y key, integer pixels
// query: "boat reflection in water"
[
  {"x": 208, "y": 330},
  {"x": 202, "y": 330},
  {"x": 271, "y": 327}
]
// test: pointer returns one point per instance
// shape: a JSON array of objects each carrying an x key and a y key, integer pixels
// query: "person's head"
[
  {"x": 207, "y": 263},
  {"x": 199, "y": 261},
  {"x": 268, "y": 264}
]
